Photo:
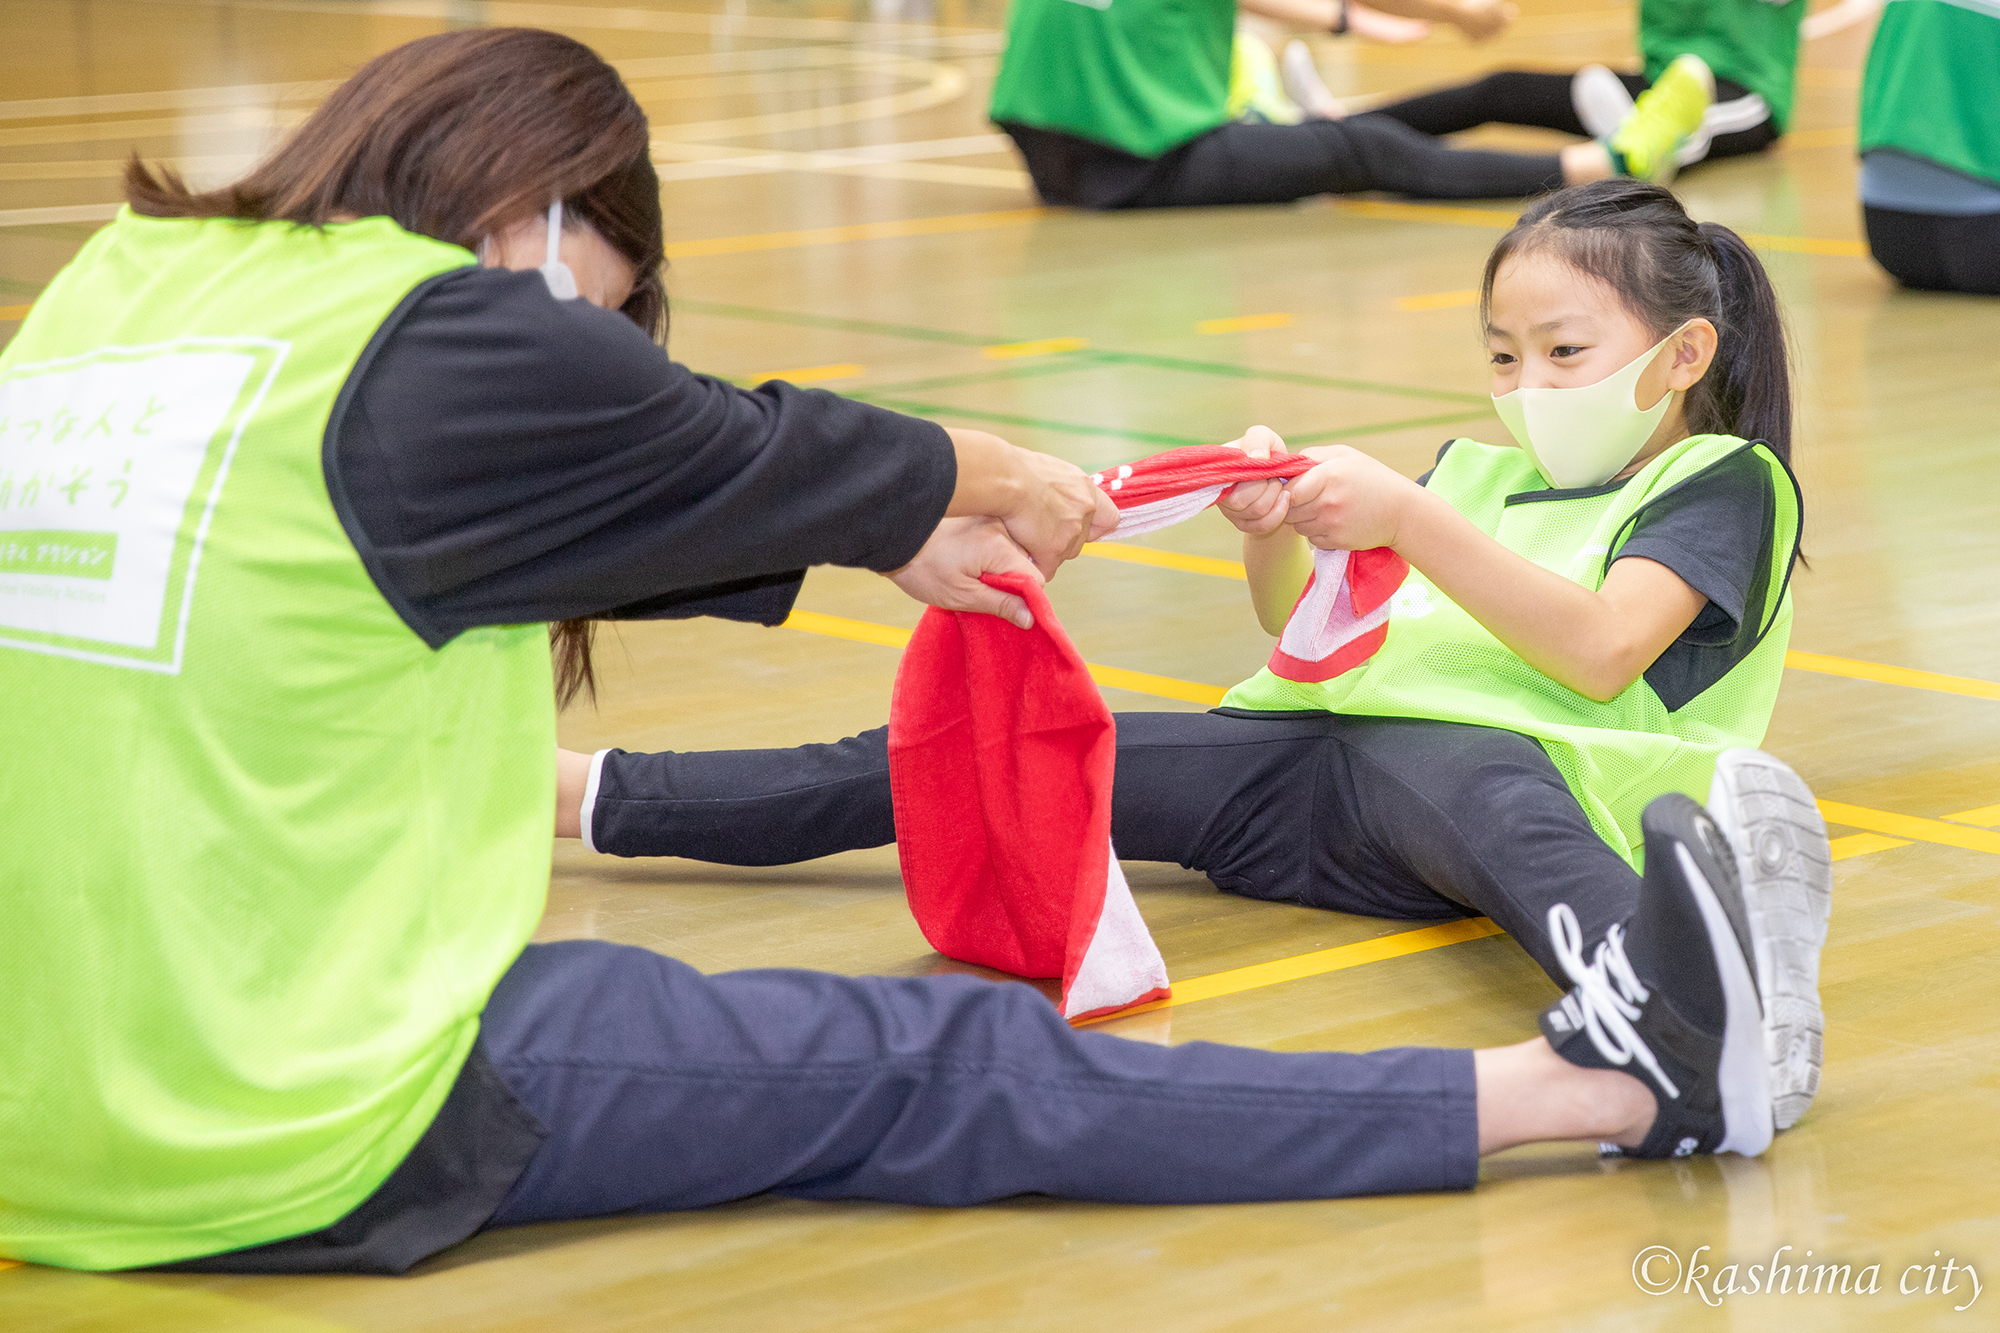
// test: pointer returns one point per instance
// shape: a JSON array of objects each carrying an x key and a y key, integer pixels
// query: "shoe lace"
[{"x": 1608, "y": 994}]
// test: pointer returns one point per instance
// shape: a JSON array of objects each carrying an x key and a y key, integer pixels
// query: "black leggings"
[
  {"x": 1273, "y": 164},
  {"x": 1936, "y": 253},
  {"x": 1518, "y": 97},
  {"x": 1387, "y": 817}
]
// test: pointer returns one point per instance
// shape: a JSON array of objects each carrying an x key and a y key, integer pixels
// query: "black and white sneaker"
[
  {"x": 1671, "y": 998},
  {"x": 1786, "y": 869}
]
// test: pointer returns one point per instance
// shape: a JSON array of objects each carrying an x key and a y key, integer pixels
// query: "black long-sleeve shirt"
[{"x": 501, "y": 457}]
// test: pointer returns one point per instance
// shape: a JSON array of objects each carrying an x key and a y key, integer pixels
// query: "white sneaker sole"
[
  {"x": 1743, "y": 1076},
  {"x": 1599, "y": 98},
  {"x": 1774, "y": 825}
]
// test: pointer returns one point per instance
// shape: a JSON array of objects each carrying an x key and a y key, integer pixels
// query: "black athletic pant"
[
  {"x": 1937, "y": 253},
  {"x": 1518, "y": 97},
  {"x": 1388, "y": 817},
  {"x": 1273, "y": 164}
]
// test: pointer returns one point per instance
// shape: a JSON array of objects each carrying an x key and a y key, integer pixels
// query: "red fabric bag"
[{"x": 1001, "y": 754}]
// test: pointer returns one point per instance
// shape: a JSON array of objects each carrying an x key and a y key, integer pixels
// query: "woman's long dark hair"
[
  {"x": 456, "y": 137},
  {"x": 1637, "y": 240}
]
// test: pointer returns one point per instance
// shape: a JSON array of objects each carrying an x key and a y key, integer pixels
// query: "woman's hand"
[
  {"x": 1048, "y": 506},
  {"x": 946, "y": 572},
  {"x": 1256, "y": 507},
  {"x": 1060, "y": 513},
  {"x": 1350, "y": 502}
]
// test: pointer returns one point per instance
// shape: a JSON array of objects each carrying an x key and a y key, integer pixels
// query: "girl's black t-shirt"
[{"x": 1715, "y": 530}]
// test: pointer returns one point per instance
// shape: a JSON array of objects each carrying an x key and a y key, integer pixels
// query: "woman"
[{"x": 308, "y": 481}]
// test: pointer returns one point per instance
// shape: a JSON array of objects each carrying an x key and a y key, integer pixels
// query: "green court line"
[
  {"x": 909, "y": 331},
  {"x": 1146, "y": 436},
  {"x": 1382, "y": 428},
  {"x": 1071, "y": 360},
  {"x": 1039, "y": 423},
  {"x": 14, "y": 288},
  {"x": 1224, "y": 368},
  {"x": 1056, "y": 363}
]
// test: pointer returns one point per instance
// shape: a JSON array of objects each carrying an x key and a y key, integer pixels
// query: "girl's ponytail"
[{"x": 1748, "y": 390}]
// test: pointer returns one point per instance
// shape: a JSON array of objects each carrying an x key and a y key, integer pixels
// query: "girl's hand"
[
  {"x": 1349, "y": 502},
  {"x": 1256, "y": 507}
]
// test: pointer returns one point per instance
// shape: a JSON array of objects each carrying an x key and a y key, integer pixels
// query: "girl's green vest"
[
  {"x": 266, "y": 853},
  {"x": 1438, "y": 662}
]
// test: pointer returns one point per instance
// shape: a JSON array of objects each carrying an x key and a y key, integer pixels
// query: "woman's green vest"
[
  {"x": 266, "y": 853},
  {"x": 1438, "y": 662}
]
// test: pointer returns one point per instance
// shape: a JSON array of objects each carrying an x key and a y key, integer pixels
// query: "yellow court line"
[
  {"x": 840, "y": 627},
  {"x": 1318, "y": 963},
  {"x": 1440, "y": 300},
  {"x": 1807, "y": 245},
  {"x": 888, "y": 636},
  {"x": 1911, "y": 827},
  {"x": 1392, "y": 212},
  {"x": 1187, "y": 564},
  {"x": 1033, "y": 347},
  {"x": 1244, "y": 323},
  {"x": 1492, "y": 217},
  {"x": 1986, "y": 816},
  {"x": 1829, "y": 138},
  {"x": 13, "y": 312},
  {"x": 1892, "y": 675},
  {"x": 1819, "y": 663},
  {"x": 846, "y": 370},
  {"x": 862, "y": 231},
  {"x": 10, "y": 1263},
  {"x": 1860, "y": 844}
]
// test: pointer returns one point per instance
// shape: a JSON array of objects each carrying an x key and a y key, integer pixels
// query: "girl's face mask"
[{"x": 1585, "y": 436}]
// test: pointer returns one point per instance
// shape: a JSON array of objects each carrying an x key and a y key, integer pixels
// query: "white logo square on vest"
[{"x": 111, "y": 465}]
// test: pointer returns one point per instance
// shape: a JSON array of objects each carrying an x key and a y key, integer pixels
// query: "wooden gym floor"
[{"x": 841, "y": 213}]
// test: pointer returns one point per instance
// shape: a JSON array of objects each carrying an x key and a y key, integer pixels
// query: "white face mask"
[
  {"x": 562, "y": 282},
  {"x": 1585, "y": 436}
]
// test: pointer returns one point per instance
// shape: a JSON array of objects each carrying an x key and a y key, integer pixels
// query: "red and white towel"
[
  {"x": 1340, "y": 619},
  {"x": 1002, "y": 752}
]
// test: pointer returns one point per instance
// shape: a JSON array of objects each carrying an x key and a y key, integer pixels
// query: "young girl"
[{"x": 1593, "y": 631}]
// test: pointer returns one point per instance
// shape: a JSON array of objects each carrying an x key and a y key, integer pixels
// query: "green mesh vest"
[
  {"x": 1438, "y": 662},
  {"x": 1932, "y": 86},
  {"x": 266, "y": 852}
]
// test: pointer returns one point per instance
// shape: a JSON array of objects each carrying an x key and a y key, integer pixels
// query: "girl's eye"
[
  {"x": 1502, "y": 359},
  {"x": 1565, "y": 349}
]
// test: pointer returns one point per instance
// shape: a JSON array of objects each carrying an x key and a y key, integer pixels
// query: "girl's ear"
[{"x": 1694, "y": 351}]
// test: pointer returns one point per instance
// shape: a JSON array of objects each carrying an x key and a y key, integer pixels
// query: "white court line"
[
  {"x": 39, "y": 217},
  {"x": 504, "y": 13}
]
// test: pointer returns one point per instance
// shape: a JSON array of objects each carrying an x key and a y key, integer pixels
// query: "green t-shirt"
[
  {"x": 1143, "y": 76},
  {"x": 1751, "y": 42},
  {"x": 1438, "y": 662},
  {"x": 267, "y": 852},
  {"x": 1932, "y": 86}
]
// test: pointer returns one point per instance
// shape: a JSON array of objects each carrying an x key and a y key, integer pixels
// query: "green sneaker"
[{"x": 1662, "y": 119}]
